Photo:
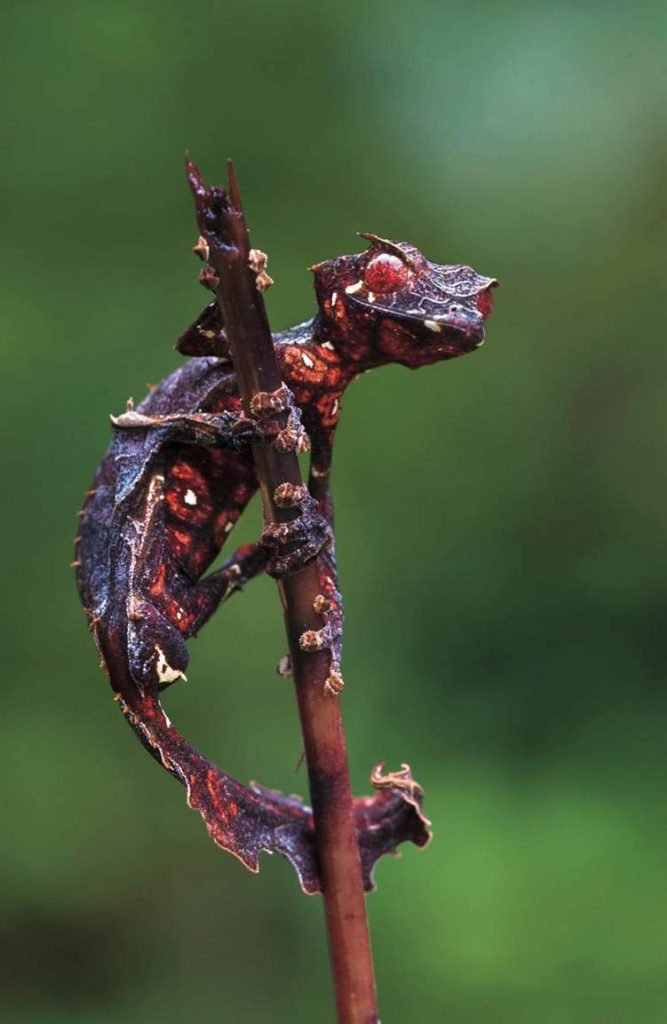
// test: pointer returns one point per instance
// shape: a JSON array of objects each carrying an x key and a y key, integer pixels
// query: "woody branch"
[{"x": 238, "y": 291}]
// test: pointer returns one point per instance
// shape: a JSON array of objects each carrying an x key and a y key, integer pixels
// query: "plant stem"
[{"x": 222, "y": 225}]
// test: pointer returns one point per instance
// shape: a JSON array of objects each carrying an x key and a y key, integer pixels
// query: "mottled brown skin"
[{"x": 179, "y": 473}]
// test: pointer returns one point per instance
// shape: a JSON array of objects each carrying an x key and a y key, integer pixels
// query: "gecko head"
[{"x": 407, "y": 309}]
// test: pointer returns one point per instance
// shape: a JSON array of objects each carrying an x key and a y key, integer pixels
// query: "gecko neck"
[
  {"x": 315, "y": 354},
  {"x": 350, "y": 347}
]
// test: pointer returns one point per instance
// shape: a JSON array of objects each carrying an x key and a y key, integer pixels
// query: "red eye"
[
  {"x": 385, "y": 273},
  {"x": 485, "y": 303}
]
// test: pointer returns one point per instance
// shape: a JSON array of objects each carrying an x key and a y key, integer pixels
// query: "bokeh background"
[{"x": 503, "y": 624}]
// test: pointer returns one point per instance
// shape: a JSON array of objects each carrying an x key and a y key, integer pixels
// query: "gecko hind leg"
[
  {"x": 329, "y": 605},
  {"x": 233, "y": 431}
]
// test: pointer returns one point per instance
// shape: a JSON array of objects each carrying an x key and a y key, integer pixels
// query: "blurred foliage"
[{"x": 504, "y": 620}]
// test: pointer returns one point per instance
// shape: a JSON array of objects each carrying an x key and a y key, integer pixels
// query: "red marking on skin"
[
  {"x": 180, "y": 542},
  {"x": 212, "y": 787},
  {"x": 327, "y": 408},
  {"x": 231, "y": 402},
  {"x": 330, "y": 591},
  {"x": 157, "y": 586},
  {"x": 178, "y": 616},
  {"x": 220, "y": 458},
  {"x": 239, "y": 494},
  {"x": 245, "y": 549},
  {"x": 222, "y": 524},
  {"x": 187, "y": 494},
  {"x": 301, "y": 394},
  {"x": 485, "y": 303},
  {"x": 385, "y": 273},
  {"x": 312, "y": 365},
  {"x": 184, "y": 471}
]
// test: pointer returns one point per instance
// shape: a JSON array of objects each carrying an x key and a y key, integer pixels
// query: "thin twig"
[{"x": 222, "y": 225}]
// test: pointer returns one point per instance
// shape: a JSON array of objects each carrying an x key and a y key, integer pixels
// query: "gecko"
[{"x": 179, "y": 472}]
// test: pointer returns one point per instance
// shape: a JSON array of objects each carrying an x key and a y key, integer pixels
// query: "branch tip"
[{"x": 233, "y": 186}]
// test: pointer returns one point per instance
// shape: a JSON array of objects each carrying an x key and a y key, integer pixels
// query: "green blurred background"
[{"x": 503, "y": 626}]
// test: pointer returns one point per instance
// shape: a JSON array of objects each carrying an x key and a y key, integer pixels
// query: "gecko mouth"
[{"x": 468, "y": 326}]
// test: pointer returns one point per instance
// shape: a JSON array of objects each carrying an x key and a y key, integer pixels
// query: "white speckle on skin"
[
  {"x": 371, "y": 297},
  {"x": 352, "y": 289},
  {"x": 334, "y": 299},
  {"x": 165, "y": 673},
  {"x": 307, "y": 361},
  {"x": 228, "y": 527},
  {"x": 327, "y": 344},
  {"x": 334, "y": 407},
  {"x": 155, "y": 489},
  {"x": 190, "y": 498},
  {"x": 432, "y": 326}
]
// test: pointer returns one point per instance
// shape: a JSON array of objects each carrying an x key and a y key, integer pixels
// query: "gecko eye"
[{"x": 385, "y": 273}]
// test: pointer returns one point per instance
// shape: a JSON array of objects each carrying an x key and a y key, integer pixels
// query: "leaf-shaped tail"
[{"x": 249, "y": 820}]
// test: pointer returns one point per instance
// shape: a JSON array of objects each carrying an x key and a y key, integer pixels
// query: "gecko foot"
[{"x": 290, "y": 546}]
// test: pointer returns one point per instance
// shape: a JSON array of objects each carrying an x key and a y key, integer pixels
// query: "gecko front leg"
[
  {"x": 330, "y": 636},
  {"x": 203, "y": 599},
  {"x": 328, "y": 603},
  {"x": 229, "y": 430}
]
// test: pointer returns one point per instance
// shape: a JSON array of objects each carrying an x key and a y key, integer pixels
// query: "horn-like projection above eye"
[{"x": 385, "y": 273}]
